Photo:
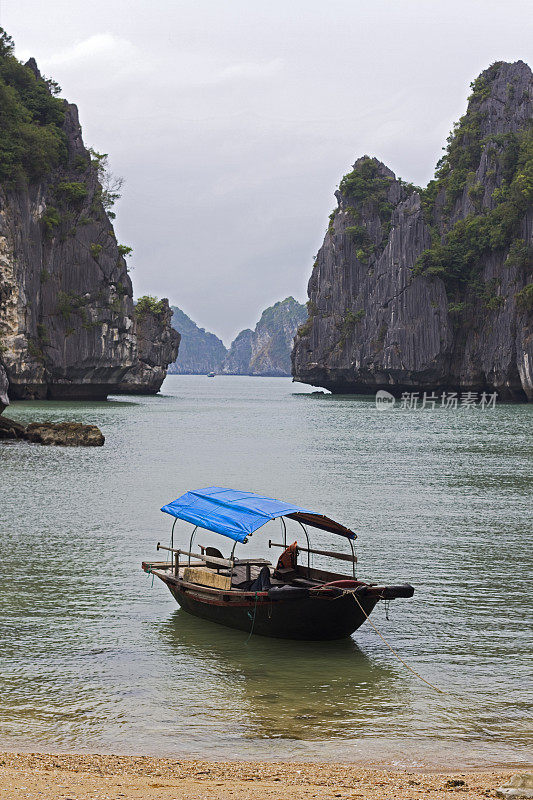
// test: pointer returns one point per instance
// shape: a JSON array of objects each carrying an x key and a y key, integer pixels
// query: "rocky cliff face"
[
  {"x": 431, "y": 290},
  {"x": 200, "y": 352},
  {"x": 4, "y": 386},
  {"x": 157, "y": 346},
  {"x": 266, "y": 351},
  {"x": 263, "y": 351},
  {"x": 237, "y": 361},
  {"x": 65, "y": 295},
  {"x": 66, "y": 310}
]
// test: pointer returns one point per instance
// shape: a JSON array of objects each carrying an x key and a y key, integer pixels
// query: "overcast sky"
[{"x": 232, "y": 121}]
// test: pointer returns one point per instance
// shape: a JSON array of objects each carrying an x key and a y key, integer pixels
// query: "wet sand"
[{"x": 36, "y": 776}]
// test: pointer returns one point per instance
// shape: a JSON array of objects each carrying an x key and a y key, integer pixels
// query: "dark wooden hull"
[{"x": 316, "y": 617}]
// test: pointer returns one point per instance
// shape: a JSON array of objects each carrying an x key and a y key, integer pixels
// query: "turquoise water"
[{"x": 95, "y": 658}]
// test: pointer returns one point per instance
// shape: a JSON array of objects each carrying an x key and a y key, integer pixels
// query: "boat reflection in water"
[{"x": 267, "y": 688}]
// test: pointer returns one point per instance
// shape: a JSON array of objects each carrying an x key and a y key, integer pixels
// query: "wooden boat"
[{"x": 288, "y": 601}]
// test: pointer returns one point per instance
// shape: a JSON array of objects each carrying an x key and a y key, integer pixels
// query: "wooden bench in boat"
[{"x": 207, "y": 577}]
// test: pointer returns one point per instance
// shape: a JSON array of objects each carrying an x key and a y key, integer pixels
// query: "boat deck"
[{"x": 245, "y": 572}]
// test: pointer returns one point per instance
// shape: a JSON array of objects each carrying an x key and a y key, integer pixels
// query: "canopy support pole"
[
  {"x": 190, "y": 543},
  {"x": 172, "y": 534},
  {"x": 284, "y": 531},
  {"x": 308, "y": 549},
  {"x": 353, "y": 557},
  {"x": 232, "y": 559}
]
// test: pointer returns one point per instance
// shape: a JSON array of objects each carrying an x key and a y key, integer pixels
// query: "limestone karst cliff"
[
  {"x": 431, "y": 289},
  {"x": 200, "y": 351},
  {"x": 239, "y": 356},
  {"x": 67, "y": 326},
  {"x": 4, "y": 386},
  {"x": 266, "y": 350},
  {"x": 157, "y": 346}
]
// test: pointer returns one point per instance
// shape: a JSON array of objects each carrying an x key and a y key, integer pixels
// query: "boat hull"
[{"x": 313, "y": 618}]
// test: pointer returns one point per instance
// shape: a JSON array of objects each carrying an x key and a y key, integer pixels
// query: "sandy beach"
[{"x": 35, "y": 776}]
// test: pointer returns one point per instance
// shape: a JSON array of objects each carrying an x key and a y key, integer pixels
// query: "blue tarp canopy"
[{"x": 237, "y": 514}]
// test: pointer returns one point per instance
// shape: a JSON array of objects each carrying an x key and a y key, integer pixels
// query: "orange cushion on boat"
[{"x": 289, "y": 558}]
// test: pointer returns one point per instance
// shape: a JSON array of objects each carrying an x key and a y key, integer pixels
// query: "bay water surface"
[{"x": 96, "y": 658}]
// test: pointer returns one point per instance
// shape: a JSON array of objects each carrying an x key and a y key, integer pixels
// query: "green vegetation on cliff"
[
  {"x": 456, "y": 257},
  {"x": 464, "y": 146},
  {"x": 32, "y": 140},
  {"x": 274, "y": 316},
  {"x": 149, "y": 305},
  {"x": 524, "y": 298},
  {"x": 456, "y": 254},
  {"x": 110, "y": 185},
  {"x": 366, "y": 185},
  {"x": 366, "y": 188}
]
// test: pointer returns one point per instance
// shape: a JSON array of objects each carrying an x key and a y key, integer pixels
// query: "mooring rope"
[
  {"x": 253, "y": 620},
  {"x": 475, "y": 726},
  {"x": 391, "y": 648}
]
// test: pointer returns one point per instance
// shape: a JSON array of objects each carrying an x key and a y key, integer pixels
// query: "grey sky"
[{"x": 232, "y": 121}]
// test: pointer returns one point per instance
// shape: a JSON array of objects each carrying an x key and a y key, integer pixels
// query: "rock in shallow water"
[
  {"x": 9, "y": 429},
  {"x": 67, "y": 434},
  {"x": 520, "y": 785}
]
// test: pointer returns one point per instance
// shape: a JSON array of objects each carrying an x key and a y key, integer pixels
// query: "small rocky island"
[
  {"x": 66, "y": 434},
  {"x": 200, "y": 352},
  {"x": 431, "y": 289},
  {"x": 157, "y": 347},
  {"x": 68, "y": 324},
  {"x": 264, "y": 351}
]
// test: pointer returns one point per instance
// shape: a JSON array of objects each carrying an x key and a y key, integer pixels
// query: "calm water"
[{"x": 95, "y": 658}]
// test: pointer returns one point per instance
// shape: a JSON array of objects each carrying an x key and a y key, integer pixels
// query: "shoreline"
[
  {"x": 80, "y": 777},
  {"x": 425, "y": 766}
]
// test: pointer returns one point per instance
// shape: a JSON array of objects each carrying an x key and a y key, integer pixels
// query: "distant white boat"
[{"x": 211, "y": 374}]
